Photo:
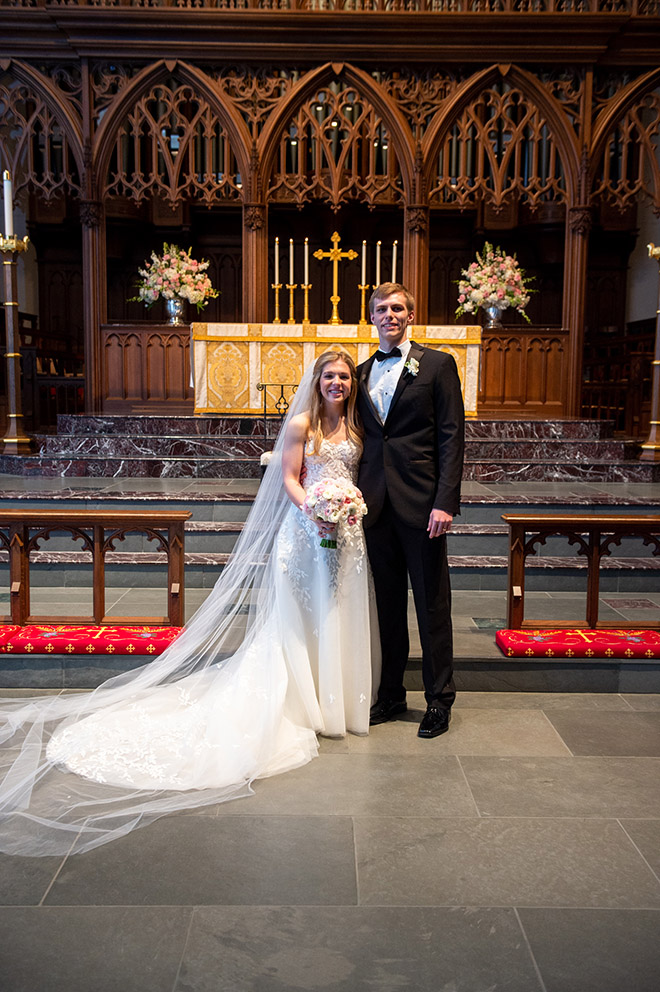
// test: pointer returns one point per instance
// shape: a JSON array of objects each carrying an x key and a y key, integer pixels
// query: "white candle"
[
  {"x": 364, "y": 263},
  {"x": 307, "y": 261},
  {"x": 277, "y": 261},
  {"x": 9, "y": 206},
  {"x": 291, "y": 261},
  {"x": 394, "y": 261},
  {"x": 378, "y": 263}
]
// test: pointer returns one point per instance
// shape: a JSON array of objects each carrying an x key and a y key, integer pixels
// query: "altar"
[{"x": 236, "y": 367}]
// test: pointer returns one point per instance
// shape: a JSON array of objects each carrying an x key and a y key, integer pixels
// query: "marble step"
[
  {"x": 209, "y": 467},
  {"x": 523, "y": 470},
  {"x": 156, "y": 446},
  {"x": 118, "y": 424},
  {"x": 495, "y": 428},
  {"x": 152, "y": 446}
]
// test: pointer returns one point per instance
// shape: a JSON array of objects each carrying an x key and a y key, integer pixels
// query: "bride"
[{"x": 284, "y": 648}]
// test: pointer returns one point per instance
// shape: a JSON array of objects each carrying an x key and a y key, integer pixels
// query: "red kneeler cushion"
[
  {"x": 70, "y": 639},
  {"x": 579, "y": 643}
]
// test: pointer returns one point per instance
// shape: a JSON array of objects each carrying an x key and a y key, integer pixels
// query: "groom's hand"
[{"x": 439, "y": 523}]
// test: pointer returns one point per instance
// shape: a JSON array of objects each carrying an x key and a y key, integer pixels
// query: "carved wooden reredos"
[
  {"x": 334, "y": 133},
  {"x": 256, "y": 124}
]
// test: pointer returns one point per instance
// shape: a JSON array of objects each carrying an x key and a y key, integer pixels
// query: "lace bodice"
[{"x": 335, "y": 461}]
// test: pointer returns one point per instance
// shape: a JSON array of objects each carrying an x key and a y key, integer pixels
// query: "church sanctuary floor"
[{"x": 520, "y": 851}]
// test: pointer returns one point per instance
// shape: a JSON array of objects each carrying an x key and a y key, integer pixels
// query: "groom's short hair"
[{"x": 386, "y": 289}]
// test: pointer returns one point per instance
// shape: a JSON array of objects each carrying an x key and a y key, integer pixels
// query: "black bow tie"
[{"x": 380, "y": 356}]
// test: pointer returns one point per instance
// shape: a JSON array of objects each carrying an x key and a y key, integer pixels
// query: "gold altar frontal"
[{"x": 230, "y": 361}]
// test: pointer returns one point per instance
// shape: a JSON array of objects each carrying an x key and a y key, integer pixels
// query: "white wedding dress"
[
  {"x": 301, "y": 662},
  {"x": 308, "y": 671}
]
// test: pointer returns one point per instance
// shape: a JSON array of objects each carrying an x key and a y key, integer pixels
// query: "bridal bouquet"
[
  {"x": 175, "y": 274},
  {"x": 334, "y": 500},
  {"x": 494, "y": 280}
]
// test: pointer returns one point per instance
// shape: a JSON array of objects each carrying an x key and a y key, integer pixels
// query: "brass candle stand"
[
  {"x": 363, "y": 304},
  {"x": 16, "y": 442},
  {"x": 291, "y": 286},
  {"x": 277, "y": 287},
  {"x": 306, "y": 286}
]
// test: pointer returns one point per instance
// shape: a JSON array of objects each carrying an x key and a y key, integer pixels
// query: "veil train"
[{"x": 46, "y": 810}]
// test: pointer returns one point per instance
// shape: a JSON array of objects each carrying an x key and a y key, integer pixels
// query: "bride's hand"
[{"x": 325, "y": 529}]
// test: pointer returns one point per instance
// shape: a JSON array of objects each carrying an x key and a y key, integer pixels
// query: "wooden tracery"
[{"x": 420, "y": 139}]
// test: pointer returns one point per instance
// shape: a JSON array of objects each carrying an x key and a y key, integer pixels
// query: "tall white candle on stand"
[
  {"x": 307, "y": 261},
  {"x": 378, "y": 263},
  {"x": 291, "y": 261},
  {"x": 394, "y": 261},
  {"x": 9, "y": 205},
  {"x": 364, "y": 263},
  {"x": 277, "y": 261}
]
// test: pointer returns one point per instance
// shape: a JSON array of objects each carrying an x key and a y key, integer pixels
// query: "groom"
[{"x": 411, "y": 406}]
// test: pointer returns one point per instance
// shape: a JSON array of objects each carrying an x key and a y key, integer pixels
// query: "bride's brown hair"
[{"x": 353, "y": 426}]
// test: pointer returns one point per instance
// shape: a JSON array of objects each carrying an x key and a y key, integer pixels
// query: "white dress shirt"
[{"x": 384, "y": 377}]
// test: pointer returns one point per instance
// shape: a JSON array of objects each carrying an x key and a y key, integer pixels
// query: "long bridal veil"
[{"x": 47, "y": 810}]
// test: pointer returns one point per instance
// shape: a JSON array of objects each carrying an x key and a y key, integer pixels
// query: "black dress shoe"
[
  {"x": 385, "y": 709},
  {"x": 434, "y": 722}
]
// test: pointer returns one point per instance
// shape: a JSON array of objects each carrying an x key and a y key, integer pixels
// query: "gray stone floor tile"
[
  {"x": 543, "y": 701},
  {"x": 122, "y": 949},
  {"x": 595, "y": 950},
  {"x": 25, "y": 881},
  {"x": 471, "y": 731},
  {"x": 645, "y": 834},
  {"x": 364, "y": 785},
  {"x": 641, "y": 701},
  {"x": 625, "y": 787},
  {"x": 598, "y": 733},
  {"x": 211, "y": 860},
  {"x": 363, "y": 949},
  {"x": 505, "y": 862}
]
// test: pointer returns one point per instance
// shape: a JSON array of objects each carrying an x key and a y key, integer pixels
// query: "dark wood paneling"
[
  {"x": 146, "y": 369},
  {"x": 523, "y": 372}
]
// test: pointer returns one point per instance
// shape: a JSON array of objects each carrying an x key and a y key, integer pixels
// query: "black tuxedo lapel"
[
  {"x": 363, "y": 385},
  {"x": 406, "y": 377}
]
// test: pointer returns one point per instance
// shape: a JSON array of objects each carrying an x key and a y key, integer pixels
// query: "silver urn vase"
[
  {"x": 494, "y": 321},
  {"x": 174, "y": 310}
]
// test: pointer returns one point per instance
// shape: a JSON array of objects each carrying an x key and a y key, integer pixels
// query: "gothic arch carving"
[
  {"x": 62, "y": 112},
  {"x": 139, "y": 87},
  {"x": 618, "y": 107},
  {"x": 397, "y": 126},
  {"x": 559, "y": 127},
  {"x": 626, "y": 139}
]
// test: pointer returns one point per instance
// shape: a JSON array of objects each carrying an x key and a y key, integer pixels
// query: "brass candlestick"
[
  {"x": 363, "y": 304},
  {"x": 291, "y": 286},
  {"x": 16, "y": 442},
  {"x": 306, "y": 286},
  {"x": 277, "y": 287}
]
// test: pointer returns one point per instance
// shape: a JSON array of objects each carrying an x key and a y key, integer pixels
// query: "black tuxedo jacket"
[{"x": 416, "y": 456}]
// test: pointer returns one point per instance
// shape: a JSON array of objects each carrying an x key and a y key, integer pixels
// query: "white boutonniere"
[{"x": 412, "y": 366}]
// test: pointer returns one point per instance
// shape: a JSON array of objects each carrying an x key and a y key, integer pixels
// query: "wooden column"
[
  {"x": 651, "y": 447},
  {"x": 92, "y": 217},
  {"x": 416, "y": 258},
  {"x": 256, "y": 286},
  {"x": 578, "y": 225}
]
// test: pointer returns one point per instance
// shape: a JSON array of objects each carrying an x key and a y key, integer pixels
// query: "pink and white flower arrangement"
[
  {"x": 494, "y": 280},
  {"x": 334, "y": 501},
  {"x": 175, "y": 274}
]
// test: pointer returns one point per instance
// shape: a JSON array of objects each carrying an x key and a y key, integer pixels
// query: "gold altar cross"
[{"x": 335, "y": 255}]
